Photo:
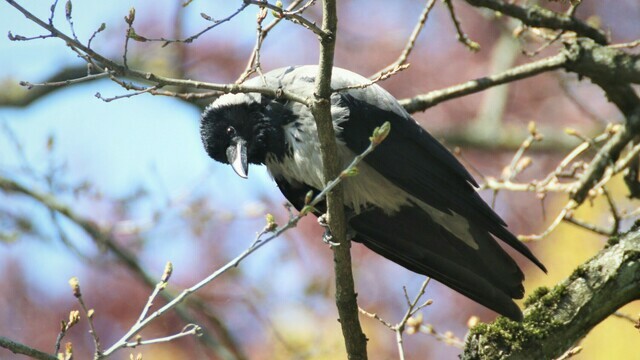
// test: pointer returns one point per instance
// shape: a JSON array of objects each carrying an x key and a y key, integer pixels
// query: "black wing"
[
  {"x": 414, "y": 161},
  {"x": 417, "y": 163}
]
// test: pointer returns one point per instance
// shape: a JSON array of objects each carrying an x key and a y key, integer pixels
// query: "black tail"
[{"x": 484, "y": 272}]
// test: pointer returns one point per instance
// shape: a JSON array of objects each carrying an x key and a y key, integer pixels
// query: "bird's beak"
[{"x": 237, "y": 156}]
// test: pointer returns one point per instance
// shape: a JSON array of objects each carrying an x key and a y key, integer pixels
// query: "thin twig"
[
  {"x": 135, "y": 93},
  {"x": 188, "y": 330},
  {"x": 291, "y": 16},
  {"x": 380, "y": 77},
  {"x": 554, "y": 224},
  {"x": 588, "y": 226},
  {"x": 53, "y": 12},
  {"x": 192, "y": 38},
  {"x": 570, "y": 353},
  {"x": 75, "y": 286},
  {"x": 461, "y": 35},
  {"x": 262, "y": 34},
  {"x": 13, "y": 37},
  {"x": 100, "y": 29},
  {"x": 345, "y": 296},
  {"x": 30, "y": 85},
  {"x": 629, "y": 45},
  {"x": 615, "y": 215},
  {"x": 68, "y": 11},
  {"x": 402, "y": 59},
  {"x": 375, "y": 316}
]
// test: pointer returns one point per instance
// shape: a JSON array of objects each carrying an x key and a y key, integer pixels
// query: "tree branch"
[
  {"x": 558, "y": 318},
  {"x": 425, "y": 101},
  {"x": 18, "y": 348},
  {"x": 355, "y": 340},
  {"x": 536, "y": 16},
  {"x": 14, "y": 95},
  {"x": 613, "y": 70}
]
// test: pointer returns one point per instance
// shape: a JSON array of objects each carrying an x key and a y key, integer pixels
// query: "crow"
[{"x": 411, "y": 202}]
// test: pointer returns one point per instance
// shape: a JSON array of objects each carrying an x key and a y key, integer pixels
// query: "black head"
[{"x": 238, "y": 130}]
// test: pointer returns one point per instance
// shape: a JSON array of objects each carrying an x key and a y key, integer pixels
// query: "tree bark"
[{"x": 556, "y": 319}]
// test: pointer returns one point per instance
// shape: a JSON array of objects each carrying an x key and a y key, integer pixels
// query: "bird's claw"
[
  {"x": 327, "y": 238},
  {"x": 323, "y": 221}
]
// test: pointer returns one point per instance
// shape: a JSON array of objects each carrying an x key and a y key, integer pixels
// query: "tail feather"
[{"x": 411, "y": 238}]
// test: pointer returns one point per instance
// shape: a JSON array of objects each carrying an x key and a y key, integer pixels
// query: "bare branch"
[
  {"x": 85, "y": 78},
  {"x": 537, "y": 16},
  {"x": 411, "y": 42},
  {"x": 75, "y": 286},
  {"x": 188, "y": 330},
  {"x": 192, "y": 38},
  {"x": 293, "y": 16},
  {"x": 461, "y": 35},
  {"x": 425, "y": 101},
  {"x": 18, "y": 348}
]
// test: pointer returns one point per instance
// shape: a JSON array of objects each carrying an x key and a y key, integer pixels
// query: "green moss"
[
  {"x": 579, "y": 272},
  {"x": 614, "y": 240},
  {"x": 508, "y": 336},
  {"x": 537, "y": 294}
]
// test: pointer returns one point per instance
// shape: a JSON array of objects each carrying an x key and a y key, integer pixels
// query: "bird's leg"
[{"x": 328, "y": 237}]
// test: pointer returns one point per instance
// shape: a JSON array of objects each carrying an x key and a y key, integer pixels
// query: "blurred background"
[{"x": 136, "y": 166}]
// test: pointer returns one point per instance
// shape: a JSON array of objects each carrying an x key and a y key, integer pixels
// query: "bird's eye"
[{"x": 231, "y": 131}]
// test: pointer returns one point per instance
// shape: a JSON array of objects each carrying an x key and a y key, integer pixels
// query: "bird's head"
[{"x": 238, "y": 130}]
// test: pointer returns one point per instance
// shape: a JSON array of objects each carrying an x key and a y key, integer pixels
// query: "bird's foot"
[
  {"x": 323, "y": 221},
  {"x": 327, "y": 237}
]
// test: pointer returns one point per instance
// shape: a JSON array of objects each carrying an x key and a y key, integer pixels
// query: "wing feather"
[{"x": 417, "y": 163}]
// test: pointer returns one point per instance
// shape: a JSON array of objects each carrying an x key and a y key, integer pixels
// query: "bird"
[{"x": 412, "y": 201}]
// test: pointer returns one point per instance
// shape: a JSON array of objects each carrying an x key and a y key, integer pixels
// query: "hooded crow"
[{"x": 412, "y": 201}]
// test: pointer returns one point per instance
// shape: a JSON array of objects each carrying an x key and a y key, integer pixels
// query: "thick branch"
[
  {"x": 612, "y": 70},
  {"x": 603, "y": 64},
  {"x": 536, "y": 16},
  {"x": 355, "y": 340},
  {"x": 555, "y": 320}
]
